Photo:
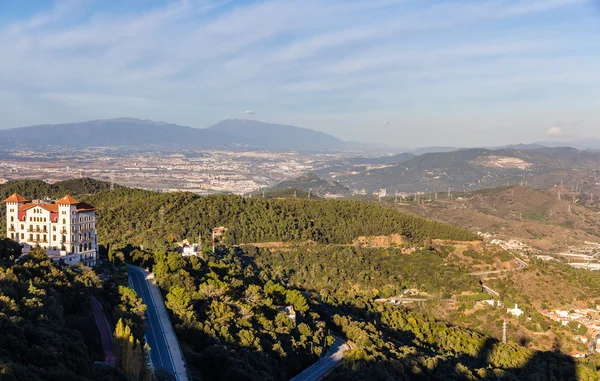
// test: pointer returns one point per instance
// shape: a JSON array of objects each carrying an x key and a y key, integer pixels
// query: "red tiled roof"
[
  {"x": 52, "y": 208},
  {"x": 15, "y": 197},
  {"x": 67, "y": 200}
]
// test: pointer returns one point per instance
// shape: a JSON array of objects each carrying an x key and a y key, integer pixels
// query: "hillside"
[
  {"x": 537, "y": 217},
  {"x": 45, "y": 313},
  {"x": 225, "y": 305},
  {"x": 311, "y": 182},
  {"x": 231, "y": 134},
  {"x": 470, "y": 169}
]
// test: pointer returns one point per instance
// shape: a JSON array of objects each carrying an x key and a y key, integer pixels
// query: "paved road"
[
  {"x": 490, "y": 291},
  {"x": 322, "y": 367},
  {"x": 159, "y": 349},
  {"x": 105, "y": 331}
]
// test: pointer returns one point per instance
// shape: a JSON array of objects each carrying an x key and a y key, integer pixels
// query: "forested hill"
[
  {"x": 143, "y": 217},
  {"x": 158, "y": 219},
  {"x": 37, "y": 189}
]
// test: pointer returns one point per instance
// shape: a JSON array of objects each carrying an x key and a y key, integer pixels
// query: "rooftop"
[
  {"x": 15, "y": 197},
  {"x": 50, "y": 206}
]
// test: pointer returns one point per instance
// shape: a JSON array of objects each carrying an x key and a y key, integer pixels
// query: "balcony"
[{"x": 11, "y": 229}]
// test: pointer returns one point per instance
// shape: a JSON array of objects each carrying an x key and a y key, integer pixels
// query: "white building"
[
  {"x": 189, "y": 250},
  {"x": 515, "y": 311},
  {"x": 65, "y": 228}
]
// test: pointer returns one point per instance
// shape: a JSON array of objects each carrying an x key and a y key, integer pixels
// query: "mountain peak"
[{"x": 133, "y": 132}]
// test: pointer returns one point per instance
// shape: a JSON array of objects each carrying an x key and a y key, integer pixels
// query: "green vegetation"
[
  {"x": 48, "y": 331},
  {"x": 368, "y": 272},
  {"x": 156, "y": 220},
  {"x": 227, "y": 307},
  {"x": 228, "y": 320}
]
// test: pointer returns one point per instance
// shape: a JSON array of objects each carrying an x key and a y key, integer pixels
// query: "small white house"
[
  {"x": 515, "y": 311},
  {"x": 189, "y": 250}
]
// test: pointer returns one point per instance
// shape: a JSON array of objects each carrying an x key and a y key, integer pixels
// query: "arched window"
[{"x": 80, "y": 247}]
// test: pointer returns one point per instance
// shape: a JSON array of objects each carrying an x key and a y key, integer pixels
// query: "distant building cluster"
[{"x": 512, "y": 244}]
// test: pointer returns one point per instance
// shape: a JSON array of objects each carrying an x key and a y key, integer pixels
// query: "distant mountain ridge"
[
  {"x": 127, "y": 132},
  {"x": 468, "y": 169}
]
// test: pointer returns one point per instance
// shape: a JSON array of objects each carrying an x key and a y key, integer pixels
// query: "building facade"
[{"x": 65, "y": 228}]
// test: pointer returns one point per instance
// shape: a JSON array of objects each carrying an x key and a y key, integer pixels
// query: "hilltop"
[
  {"x": 233, "y": 134},
  {"x": 470, "y": 169},
  {"x": 538, "y": 217},
  {"x": 311, "y": 183}
]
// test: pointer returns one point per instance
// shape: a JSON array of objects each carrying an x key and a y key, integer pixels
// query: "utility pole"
[{"x": 504, "y": 332}]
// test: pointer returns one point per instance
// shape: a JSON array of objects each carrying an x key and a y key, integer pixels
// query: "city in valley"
[{"x": 202, "y": 172}]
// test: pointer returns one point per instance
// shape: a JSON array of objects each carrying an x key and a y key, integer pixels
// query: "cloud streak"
[{"x": 199, "y": 58}]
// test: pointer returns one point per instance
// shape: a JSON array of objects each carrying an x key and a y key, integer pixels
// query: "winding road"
[
  {"x": 322, "y": 367},
  {"x": 165, "y": 353}
]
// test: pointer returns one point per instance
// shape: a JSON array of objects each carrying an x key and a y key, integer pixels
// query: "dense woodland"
[
  {"x": 155, "y": 220},
  {"x": 48, "y": 330},
  {"x": 363, "y": 271},
  {"x": 225, "y": 305}
]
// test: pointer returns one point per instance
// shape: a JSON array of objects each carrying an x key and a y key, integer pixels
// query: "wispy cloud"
[{"x": 198, "y": 57}]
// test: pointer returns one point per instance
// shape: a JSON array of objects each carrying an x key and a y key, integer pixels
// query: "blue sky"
[{"x": 403, "y": 72}]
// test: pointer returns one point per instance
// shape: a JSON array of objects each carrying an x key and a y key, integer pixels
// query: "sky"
[{"x": 401, "y": 72}]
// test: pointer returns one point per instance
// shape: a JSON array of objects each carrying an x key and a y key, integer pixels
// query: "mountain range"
[
  {"x": 467, "y": 169},
  {"x": 128, "y": 132}
]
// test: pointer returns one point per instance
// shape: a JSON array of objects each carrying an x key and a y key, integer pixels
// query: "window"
[
  {"x": 53, "y": 238},
  {"x": 12, "y": 219},
  {"x": 12, "y": 235},
  {"x": 31, "y": 237},
  {"x": 44, "y": 219},
  {"x": 64, "y": 221},
  {"x": 22, "y": 235},
  {"x": 54, "y": 228},
  {"x": 45, "y": 238},
  {"x": 22, "y": 227}
]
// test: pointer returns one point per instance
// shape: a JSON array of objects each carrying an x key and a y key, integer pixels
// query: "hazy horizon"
[{"x": 404, "y": 73}]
